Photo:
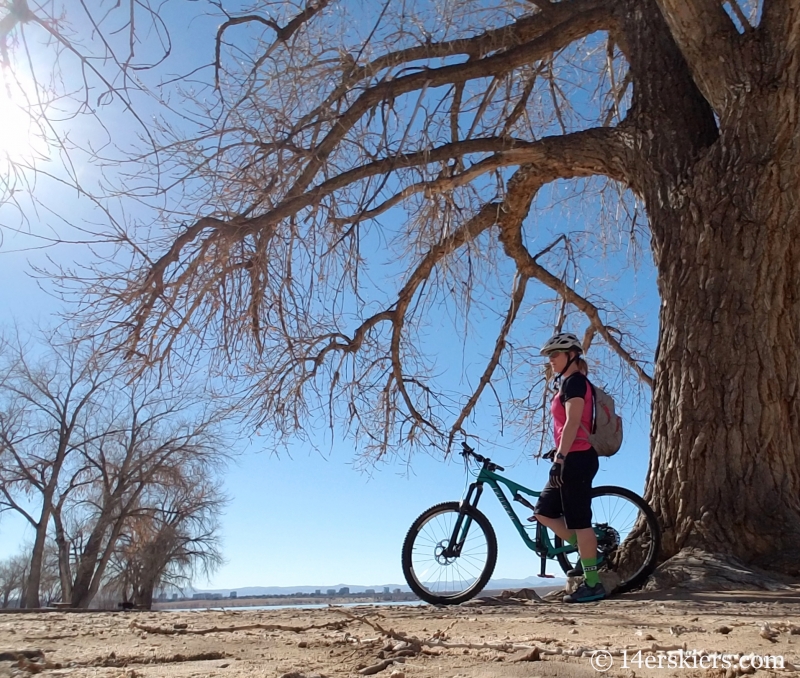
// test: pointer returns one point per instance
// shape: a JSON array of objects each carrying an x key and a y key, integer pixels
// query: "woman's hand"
[{"x": 555, "y": 473}]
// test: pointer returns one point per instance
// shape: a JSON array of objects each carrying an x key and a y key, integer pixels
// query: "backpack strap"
[{"x": 594, "y": 411}]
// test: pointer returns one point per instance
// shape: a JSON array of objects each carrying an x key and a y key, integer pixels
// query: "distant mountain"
[{"x": 528, "y": 582}]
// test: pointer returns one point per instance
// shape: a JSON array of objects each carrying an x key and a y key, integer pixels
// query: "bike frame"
[{"x": 541, "y": 545}]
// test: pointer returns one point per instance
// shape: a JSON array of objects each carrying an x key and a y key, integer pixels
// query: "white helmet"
[{"x": 563, "y": 341}]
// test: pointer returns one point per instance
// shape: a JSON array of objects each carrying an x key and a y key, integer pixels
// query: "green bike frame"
[{"x": 541, "y": 545}]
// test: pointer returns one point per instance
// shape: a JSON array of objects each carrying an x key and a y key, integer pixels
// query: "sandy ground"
[{"x": 484, "y": 639}]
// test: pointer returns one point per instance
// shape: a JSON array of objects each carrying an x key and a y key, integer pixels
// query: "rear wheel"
[
  {"x": 445, "y": 574},
  {"x": 631, "y": 537}
]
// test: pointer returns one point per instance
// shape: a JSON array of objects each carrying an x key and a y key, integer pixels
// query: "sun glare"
[{"x": 18, "y": 138}]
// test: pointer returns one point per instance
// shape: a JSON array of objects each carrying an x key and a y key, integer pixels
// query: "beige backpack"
[{"x": 606, "y": 434}]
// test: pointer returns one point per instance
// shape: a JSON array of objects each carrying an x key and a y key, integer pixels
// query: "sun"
[{"x": 18, "y": 134}]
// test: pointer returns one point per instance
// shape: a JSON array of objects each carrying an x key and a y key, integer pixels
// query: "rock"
[
  {"x": 768, "y": 633},
  {"x": 527, "y": 656},
  {"x": 522, "y": 594},
  {"x": 724, "y": 630}
]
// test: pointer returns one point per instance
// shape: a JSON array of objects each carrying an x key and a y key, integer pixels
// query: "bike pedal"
[{"x": 546, "y": 576}]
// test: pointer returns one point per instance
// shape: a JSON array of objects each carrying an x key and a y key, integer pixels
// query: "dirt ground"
[{"x": 488, "y": 638}]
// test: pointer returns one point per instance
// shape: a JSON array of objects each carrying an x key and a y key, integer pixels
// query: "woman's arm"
[{"x": 574, "y": 408}]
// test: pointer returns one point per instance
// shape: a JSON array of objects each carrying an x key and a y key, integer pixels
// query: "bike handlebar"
[{"x": 467, "y": 451}]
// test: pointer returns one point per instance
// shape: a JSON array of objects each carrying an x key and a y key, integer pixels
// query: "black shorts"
[{"x": 573, "y": 499}]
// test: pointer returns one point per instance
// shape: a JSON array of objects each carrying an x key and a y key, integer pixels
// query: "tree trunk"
[
  {"x": 81, "y": 596},
  {"x": 64, "y": 569},
  {"x": 143, "y": 596},
  {"x": 100, "y": 569},
  {"x": 725, "y": 470},
  {"x": 31, "y": 597}
]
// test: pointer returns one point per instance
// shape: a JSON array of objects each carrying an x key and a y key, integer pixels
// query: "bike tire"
[
  {"x": 424, "y": 569},
  {"x": 630, "y": 516}
]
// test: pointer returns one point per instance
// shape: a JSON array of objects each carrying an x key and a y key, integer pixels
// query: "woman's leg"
[
  {"x": 549, "y": 505},
  {"x": 559, "y": 526},
  {"x": 587, "y": 542}
]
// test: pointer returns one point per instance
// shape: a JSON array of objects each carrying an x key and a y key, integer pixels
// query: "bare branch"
[
  {"x": 517, "y": 297},
  {"x": 511, "y": 237},
  {"x": 282, "y": 33},
  {"x": 737, "y": 10}
]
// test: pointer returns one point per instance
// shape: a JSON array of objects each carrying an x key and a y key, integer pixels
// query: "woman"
[{"x": 565, "y": 505}]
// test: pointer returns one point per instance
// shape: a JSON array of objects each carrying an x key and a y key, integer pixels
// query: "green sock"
[
  {"x": 573, "y": 539},
  {"x": 590, "y": 571}
]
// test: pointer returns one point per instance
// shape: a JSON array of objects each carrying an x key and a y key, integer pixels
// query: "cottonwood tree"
[
  {"x": 149, "y": 445},
  {"x": 12, "y": 579},
  {"x": 83, "y": 451},
  {"x": 47, "y": 405},
  {"x": 172, "y": 538},
  {"x": 428, "y": 134}
]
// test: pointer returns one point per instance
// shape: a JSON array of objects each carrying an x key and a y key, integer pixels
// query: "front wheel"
[
  {"x": 449, "y": 554},
  {"x": 629, "y": 536}
]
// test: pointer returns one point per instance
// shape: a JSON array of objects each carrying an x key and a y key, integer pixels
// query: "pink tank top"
[{"x": 559, "y": 412}]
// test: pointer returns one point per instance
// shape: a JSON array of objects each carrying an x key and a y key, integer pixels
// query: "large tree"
[{"x": 319, "y": 140}]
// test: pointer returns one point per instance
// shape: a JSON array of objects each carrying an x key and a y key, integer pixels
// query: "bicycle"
[{"x": 450, "y": 551}]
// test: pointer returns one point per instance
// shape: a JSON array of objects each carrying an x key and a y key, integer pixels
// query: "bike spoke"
[{"x": 441, "y": 575}]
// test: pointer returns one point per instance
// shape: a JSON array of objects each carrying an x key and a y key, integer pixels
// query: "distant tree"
[
  {"x": 50, "y": 583},
  {"x": 154, "y": 441},
  {"x": 48, "y": 403},
  {"x": 172, "y": 541},
  {"x": 83, "y": 450},
  {"x": 12, "y": 579}
]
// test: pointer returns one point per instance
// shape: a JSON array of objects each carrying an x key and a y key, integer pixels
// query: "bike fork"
[{"x": 461, "y": 527}]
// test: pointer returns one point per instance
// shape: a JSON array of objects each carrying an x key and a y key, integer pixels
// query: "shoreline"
[{"x": 282, "y": 601}]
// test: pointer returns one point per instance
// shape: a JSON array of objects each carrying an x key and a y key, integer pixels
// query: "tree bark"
[
  {"x": 722, "y": 193},
  {"x": 88, "y": 592},
  {"x": 725, "y": 469},
  {"x": 30, "y": 598},
  {"x": 726, "y": 409},
  {"x": 64, "y": 568},
  {"x": 80, "y": 596}
]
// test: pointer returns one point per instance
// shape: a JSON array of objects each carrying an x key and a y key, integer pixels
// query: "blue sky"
[{"x": 305, "y": 518}]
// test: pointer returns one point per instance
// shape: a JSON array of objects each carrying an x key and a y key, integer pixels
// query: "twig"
[
  {"x": 380, "y": 666},
  {"x": 414, "y": 642}
]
